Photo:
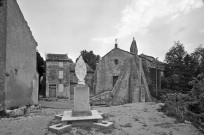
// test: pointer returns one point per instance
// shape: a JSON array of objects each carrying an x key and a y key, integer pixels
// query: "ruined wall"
[
  {"x": 2, "y": 51},
  {"x": 20, "y": 58},
  {"x": 150, "y": 73},
  {"x": 52, "y": 77},
  {"x": 109, "y": 67}
]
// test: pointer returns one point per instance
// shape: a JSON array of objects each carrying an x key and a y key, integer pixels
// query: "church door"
[{"x": 115, "y": 78}]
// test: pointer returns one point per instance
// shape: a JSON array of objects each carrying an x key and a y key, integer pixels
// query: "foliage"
[
  {"x": 182, "y": 67},
  {"x": 188, "y": 106},
  {"x": 160, "y": 92},
  {"x": 90, "y": 58},
  {"x": 41, "y": 72},
  {"x": 175, "y": 104},
  {"x": 176, "y": 54},
  {"x": 198, "y": 58},
  {"x": 40, "y": 64},
  {"x": 175, "y": 65}
]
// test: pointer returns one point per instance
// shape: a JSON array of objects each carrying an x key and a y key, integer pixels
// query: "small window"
[
  {"x": 60, "y": 64},
  {"x": 116, "y": 61},
  {"x": 60, "y": 74}
]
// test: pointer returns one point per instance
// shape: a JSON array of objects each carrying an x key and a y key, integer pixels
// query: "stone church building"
[
  {"x": 120, "y": 77},
  {"x": 18, "y": 75}
]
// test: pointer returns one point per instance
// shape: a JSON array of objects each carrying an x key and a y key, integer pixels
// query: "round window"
[{"x": 116, "y": 61}]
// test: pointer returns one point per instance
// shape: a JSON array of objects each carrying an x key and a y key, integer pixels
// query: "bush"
[
  {"x": 175, "y": 105},
  {"x": 160, "y": 92}
]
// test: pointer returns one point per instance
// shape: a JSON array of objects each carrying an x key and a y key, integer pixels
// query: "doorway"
[
  {"x": 52, "y": 90},
  {"x": 115, "y": 78}
]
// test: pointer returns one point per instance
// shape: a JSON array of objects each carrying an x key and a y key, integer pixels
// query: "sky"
[{"x": 70, "y": 26}]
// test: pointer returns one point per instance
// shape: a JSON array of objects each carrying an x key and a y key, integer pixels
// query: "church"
[{"x": 121, "y": 77}]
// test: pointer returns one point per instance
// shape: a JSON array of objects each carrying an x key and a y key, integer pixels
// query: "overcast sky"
[{"x": 70, "y": 26}]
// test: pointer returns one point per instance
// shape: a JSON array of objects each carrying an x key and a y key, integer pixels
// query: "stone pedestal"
[{"x": 81, "y": 101}]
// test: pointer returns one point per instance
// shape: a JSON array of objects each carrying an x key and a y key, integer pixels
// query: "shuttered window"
[{"x": 60, "y": 74}]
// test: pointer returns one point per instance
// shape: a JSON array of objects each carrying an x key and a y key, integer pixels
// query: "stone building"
[
  {"x": 18, "y": 75},
  {"x": 120, "y": 77},
  {"x": 57, "y": 75},
  {"x": 61, "y": 78}
]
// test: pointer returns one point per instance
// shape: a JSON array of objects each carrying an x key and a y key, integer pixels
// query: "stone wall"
[
  {"x": 109, "y": 67},
  {"x": 20, "y": 58},
  {"x": 2, "y": 51},
  {"x": 150, "y": 73}
]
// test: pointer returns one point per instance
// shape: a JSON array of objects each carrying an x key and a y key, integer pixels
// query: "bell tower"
[{"x": 133, "y": 47}]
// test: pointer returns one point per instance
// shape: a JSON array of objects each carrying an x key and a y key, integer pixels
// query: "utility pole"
[{"x": 156, "y": 75}]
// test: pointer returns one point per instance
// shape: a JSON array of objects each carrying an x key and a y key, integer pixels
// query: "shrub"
[{"x": 175, "y": 105}]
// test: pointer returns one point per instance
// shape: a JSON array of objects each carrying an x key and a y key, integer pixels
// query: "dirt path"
[{"x": 129, "y": 119}]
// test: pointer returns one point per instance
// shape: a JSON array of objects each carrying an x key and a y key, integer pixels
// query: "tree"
[
  {"x": 40, "y": 65},
  {"x": 198, "y": 58},
  {"x": 41, "y": 72},
  {"x": 180, "y": 65},
  {"x": 90, "y": 58},
  {"x": 175, "y": 59},
  {"x": 189, "y": 71}
]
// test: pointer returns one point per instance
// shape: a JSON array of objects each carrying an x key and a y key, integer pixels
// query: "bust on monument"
[{"x": 80, "y": 70}]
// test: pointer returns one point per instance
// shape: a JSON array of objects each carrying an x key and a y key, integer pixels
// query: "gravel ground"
[
  {"x": 63, "y": 104},
  {"x": 129, "y": 119}
]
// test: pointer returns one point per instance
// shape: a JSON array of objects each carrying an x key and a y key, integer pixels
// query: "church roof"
[
  {"x": 115, "y": 49},
  {"x": 57, "y": 57}
]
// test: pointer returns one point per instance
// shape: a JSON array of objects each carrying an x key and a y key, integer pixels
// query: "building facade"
[
  {"x": 57, "y": 75},
  {"x": 120, "y": 75},
  {"x": 18, "y": 75}
]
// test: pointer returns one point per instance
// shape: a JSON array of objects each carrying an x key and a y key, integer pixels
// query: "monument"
[
  {"x": 81, "y": 111},
  {"x": 81, "y": 114}
]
